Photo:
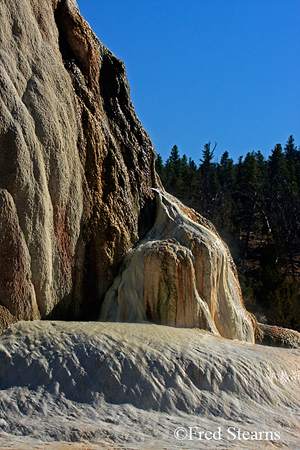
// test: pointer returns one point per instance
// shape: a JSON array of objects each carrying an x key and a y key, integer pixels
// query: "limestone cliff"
[
  {"x": 77, "y": 182},
  {"x": 76, "y": 166}
]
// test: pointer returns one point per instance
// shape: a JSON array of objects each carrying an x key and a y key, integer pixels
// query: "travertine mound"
[
  {"x": 77, "y": 184},
  {"x": 133, "y": 385},
  {"x": 76, "y": 166},
  {"x": 278, "y": 337},
  {"x": 181, "y": 274}
]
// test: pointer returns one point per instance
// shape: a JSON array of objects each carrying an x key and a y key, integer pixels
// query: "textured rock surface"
[
  {"x": 77, "y": 177},
  {"x": 133, "y": 385},
  {"x": 278, "y": 337},
  {"x": 181, "y": 274},
  {"x": 16, "y": 289},
  {"x": 76, "y": 166},
  {"x": 6, "y": 318}
]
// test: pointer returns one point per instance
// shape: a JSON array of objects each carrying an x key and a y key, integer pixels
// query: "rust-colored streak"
[
  {"x": 61, "y": 228},
  {"x": 16, "y": 293}
]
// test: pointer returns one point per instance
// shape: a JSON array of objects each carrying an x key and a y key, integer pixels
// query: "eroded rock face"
[
  {"x": 16, "y": 289},
  {"x": 181, "y": 274},
  {"x": 77, "y": 177},
  {"x": 76, "y": 166}
]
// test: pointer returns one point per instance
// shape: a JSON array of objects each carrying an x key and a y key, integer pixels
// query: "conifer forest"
[{"x": 255, "y": 205}]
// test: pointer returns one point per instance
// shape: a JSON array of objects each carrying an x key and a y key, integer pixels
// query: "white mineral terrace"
[{"x": 142, "y": 386}]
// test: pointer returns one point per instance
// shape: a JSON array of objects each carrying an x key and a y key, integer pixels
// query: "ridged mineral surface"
[{"x": 132, "y": 386}]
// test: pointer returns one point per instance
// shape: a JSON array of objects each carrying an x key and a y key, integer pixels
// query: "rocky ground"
[
  {"x": 279, "y": 337},
  {"x": 92, "y": 385}
]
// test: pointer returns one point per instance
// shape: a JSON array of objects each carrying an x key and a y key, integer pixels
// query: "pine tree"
[
  {"x": 160, "y": 169},
  {"x": 277, "y": 171},
  {"x": 290, "y": 149},
  {"x": 174, "y": 171},
  {"x": 284, "y": 305},
  {"x": 208, "y": 172},
  {"x": 291, "y": 154},
  {"x": 224, "y": 202}
]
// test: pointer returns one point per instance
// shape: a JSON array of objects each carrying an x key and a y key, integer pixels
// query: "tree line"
[{"x": 255, "y": 205}]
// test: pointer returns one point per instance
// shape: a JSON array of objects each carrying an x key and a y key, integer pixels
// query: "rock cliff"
[
  {"x": 76, "y": 166},
  {"x": 77, "y": 191}
]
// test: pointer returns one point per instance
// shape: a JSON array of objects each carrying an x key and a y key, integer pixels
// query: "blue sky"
[{"x": 225, "y": 71}]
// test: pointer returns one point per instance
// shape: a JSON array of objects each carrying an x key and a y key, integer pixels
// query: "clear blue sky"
[{"x": 227, "y": 71}]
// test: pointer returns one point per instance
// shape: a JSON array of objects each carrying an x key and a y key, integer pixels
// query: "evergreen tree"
[
  {"x": 159, "y": 166},
  {"x": 208, "y": 173},
  {"x": 277, "y": 171},
  {"x": 249, "y": 198},
  {"x": 226, "y": 172},
  {"x": 290, "y": 149},
  {"x": 174, "y": 174},
  {"x": 192, "y": 181},
  {"x": 284, "y": 305},
  {"x": 291, "y": 154},
  {"x": 175, "y": 159},
  {"x": 184, "y": 169}
]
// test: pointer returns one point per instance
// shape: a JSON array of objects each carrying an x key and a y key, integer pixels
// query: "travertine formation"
[
  {"x": 134, "y": 385},
  {"x": 76, "y": 166},
  {"x": 278, "y": 337},
  {"x": 77, "y": 191},
  {"x": 181, "y": 274}
]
